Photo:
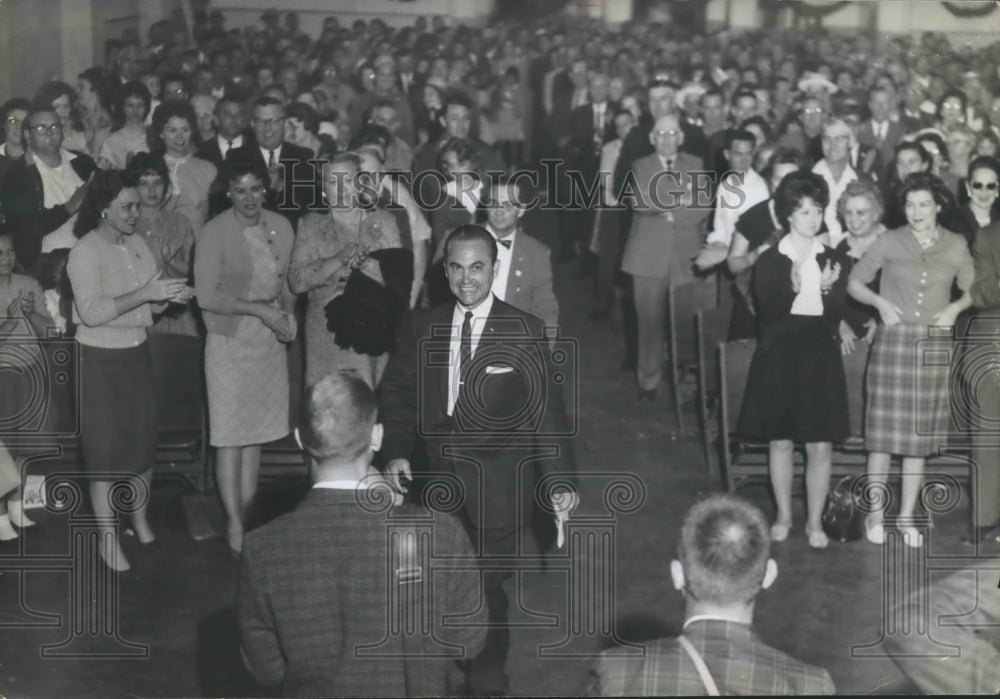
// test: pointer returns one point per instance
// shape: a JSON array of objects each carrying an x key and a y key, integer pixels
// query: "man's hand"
[
  {"x": 395, "y": 471},
  {"x": 376, "y": 479},
  {"x": 563, "y": 501}
]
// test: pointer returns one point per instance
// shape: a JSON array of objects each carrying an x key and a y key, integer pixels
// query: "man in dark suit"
[
  {"x": 286, "y": 162},
  {"x": 880, "y": 131},
  {"x": 315, "y": 584},
  {"x": 591, "y": 125},
  {"x": 231, "y": 131},
  {"x": 474, "y": 379},
  {"x": 722, "y": 564}
]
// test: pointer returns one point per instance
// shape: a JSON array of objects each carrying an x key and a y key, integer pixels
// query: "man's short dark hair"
[
  {"x": 457, "y": 98},
  {"x": 724, "y": 547},
  {"x": 711, "y": 92},
  {"x": 471, "y": 232},
  {"x": 734, "y": 135},
  {"x": 338, "y": 413},
  {"x": 372, "y": 133},
  {"x": 267, "y": 101}
]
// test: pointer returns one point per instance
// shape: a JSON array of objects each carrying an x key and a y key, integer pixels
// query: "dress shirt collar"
[
  {"x": 480, "y": 312},
  {"x": 267, "y": 154},
  {"x": 224, "y": 142},
  {"x": 341, "y": 485},
  {"x": 710, "y": 617},
  {"x": 668, "y": 163},
  {"x": 510, "y": 236}
]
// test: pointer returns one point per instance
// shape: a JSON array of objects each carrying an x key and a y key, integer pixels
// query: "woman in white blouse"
[{"x": 796, "y": 391}]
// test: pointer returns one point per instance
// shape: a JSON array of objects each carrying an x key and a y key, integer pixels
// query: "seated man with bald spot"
[{"x": 723, "y": 562}]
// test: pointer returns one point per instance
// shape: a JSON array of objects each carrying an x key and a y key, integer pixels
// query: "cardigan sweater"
[{"x": 223, "y": 267}]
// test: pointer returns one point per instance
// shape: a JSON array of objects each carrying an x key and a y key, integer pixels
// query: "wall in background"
[{"x": 240, "y": 13}]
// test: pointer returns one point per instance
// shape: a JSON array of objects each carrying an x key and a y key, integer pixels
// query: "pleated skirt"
[{"x": 908, "y": 391}]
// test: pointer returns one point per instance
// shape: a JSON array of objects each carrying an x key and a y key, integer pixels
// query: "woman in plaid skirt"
[
  {"x": 907, "y": 411},
  {"x": 796, "y": 390}
]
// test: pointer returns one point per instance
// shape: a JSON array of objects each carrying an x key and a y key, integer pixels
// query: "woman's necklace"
[{"x": 928, "y": 240}]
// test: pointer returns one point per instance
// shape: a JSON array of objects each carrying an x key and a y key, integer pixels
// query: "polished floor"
[{"x": 167, "y": 628}]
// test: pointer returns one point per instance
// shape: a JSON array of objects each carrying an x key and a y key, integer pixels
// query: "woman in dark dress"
[
  {"x": 798, "y": 291},
  {"x": 756, "y": 230}
]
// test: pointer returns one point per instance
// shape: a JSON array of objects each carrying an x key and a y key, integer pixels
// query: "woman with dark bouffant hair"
[
  {"x": 796, "y": 391},
  {"x": 172, "y": 134},
  {"x": 116, "y": 289},
  {"x": 907, "y": 407},
  {"x": 240, "y": 272}
]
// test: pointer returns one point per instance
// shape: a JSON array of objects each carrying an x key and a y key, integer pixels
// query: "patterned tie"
[
  {"x": 270, "y": 158},
  {"x": 465, "y": 350}
]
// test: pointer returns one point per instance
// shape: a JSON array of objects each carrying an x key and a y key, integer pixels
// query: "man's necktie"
[
  {"x": 270, "y": 159},
  {"x": 505, "y": 242},
  {"x": 229, "y": 146},
  {"x": 465, "y": 350}
]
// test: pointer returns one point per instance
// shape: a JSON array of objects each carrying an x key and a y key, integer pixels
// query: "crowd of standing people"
[{"x": 296, "y": 194}]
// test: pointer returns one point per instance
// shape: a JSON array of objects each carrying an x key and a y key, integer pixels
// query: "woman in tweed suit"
[
  {"x": 241, "y": 262},
  {"x": 907, "y": 411}
]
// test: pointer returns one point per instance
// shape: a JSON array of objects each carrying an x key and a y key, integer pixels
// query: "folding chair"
[
  {"x": 683, "y": 301},
  {"x": 734, "y": 366},
  {"x": 182, "y": 422},
  {"x": 710, "y": 330}
]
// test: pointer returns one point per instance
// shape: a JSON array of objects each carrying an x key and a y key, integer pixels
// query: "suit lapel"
[{"x": 516, "y": 260}]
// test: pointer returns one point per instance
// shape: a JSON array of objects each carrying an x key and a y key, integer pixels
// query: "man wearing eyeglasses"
[
  {"x": 661, "y": 95},
  {"x": 663, "y": 240},
  {"x": 524, "y": 265},
  {"x": 282, "y": 159},
  {"x": 45, "y": 187}
]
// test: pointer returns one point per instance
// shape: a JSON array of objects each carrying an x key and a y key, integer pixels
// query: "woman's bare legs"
[
  {"x": 228, "y": 465},
  {"x": 819, "y": 463},
  {"x": 779, "y": 459},
  {"x": 109, "y": 546}
]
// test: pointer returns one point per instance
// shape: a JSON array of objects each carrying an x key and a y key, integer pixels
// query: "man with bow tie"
[
  {"x": 474, "y": 379},
  {"x": 524, "y": 274}
]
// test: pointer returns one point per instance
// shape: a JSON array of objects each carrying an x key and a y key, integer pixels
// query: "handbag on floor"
[{"x": 843, "y": 519}]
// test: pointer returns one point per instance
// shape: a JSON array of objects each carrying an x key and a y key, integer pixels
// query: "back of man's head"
[
  {"x": 724, "y": 549},
  {"x": 338, "y": 414}
]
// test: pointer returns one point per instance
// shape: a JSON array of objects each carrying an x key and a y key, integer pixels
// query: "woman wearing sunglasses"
[
  {"x": 981, "y": 368},
  {"x": 982, "y": 186}
]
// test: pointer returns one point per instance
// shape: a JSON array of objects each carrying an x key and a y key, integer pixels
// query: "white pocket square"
[{"x": 499, "y": 369}]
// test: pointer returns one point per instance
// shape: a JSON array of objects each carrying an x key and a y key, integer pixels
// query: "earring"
[{"x": 104, "y": 214}]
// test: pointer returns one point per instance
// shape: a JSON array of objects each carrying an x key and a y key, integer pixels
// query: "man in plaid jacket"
[
  {"x": 317, "y": 593},
  {"x": 723, "y": 562}
]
